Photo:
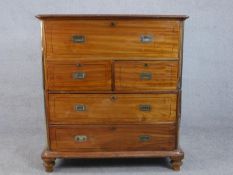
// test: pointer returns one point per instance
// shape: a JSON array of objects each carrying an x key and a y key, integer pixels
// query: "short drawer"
[
  {"x": 112, "y": 38},
  {"x": 74, "y": 75},
  {"x": 112, "y": 108},
  {"x": 146, "y": 75},
  {"x": 113, "y": 138}
]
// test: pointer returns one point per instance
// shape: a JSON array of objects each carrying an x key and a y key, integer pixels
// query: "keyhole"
[
  {"x": 113, "y": 24},
  {"x": 79, "y": 65},
  {"x": 113, "y": 98},
  {"x": 145, "y": 65}
]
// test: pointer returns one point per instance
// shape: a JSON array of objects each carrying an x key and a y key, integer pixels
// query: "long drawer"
[
  {"x": 151, "y": 38},
  {"x": 113, "y": 138},
  {"x": 112, "y": 108}
]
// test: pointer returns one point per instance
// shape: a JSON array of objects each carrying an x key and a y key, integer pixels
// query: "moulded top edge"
[{"x": 110, "y": 16}]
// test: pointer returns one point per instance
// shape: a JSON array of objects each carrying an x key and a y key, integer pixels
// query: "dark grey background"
[{"x": 207, "y": 112}]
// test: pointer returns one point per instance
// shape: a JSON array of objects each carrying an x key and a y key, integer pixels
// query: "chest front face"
[
  {"x": 112, "y": 38},
  {"x": 112, "y": 84}
]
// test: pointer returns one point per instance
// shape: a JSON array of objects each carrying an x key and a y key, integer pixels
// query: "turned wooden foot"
[
  {"x": 49, "y": 160},
  {"x": 48, "y": 164},
  {"x": 176, "y": 162}
]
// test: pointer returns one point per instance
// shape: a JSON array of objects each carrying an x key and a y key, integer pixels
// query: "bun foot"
[
  {"x": 48, "y": 164},
  {"x": 176, "y": 162},
  {"x": 48, "y": 160}
]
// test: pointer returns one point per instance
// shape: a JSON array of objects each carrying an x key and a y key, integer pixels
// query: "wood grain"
[
  {"x": 164, "y": 75},
  {"x": 113, "y": 138},
  {"x": 112, "y": 154},
  {"x": 97, "y": 75},
  {"x": 112, "y": 109},
  {"x": 103, "y": 39}
]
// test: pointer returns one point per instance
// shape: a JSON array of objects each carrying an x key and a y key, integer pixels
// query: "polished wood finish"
[
  {"x": 112, "y": 154},
  {"x": 112, "y": 86},
  {"x": 97, "y": 75},
  {"x": 178, "y": 153},
  {"x": 128, "y": 75},
  {"x": 112, "y": 109},
  {"x": 113, "y": 138},
  {"x": 112, "y": 39}
]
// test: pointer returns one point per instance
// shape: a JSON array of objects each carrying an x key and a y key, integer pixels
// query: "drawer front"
[
  {"x": 113, "y": 138},
  {"x": 79, "y": 75},
  {"x": 112, "y": 109},
  {"x": 146, "y": 75},
  {"x": 113, "y": 38}
]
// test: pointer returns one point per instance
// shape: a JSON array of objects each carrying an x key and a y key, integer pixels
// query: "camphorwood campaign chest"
[{"x": 112, "y": 86}]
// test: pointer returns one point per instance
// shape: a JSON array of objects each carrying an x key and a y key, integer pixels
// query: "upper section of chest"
[{"x": 112, "y": 38}]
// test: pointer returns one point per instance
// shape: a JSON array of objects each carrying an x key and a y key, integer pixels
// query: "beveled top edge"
[{"x": 109, "y": 16}]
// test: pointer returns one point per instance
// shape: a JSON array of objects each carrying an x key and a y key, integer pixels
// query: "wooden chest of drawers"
[{"x": 112, "y": 86}]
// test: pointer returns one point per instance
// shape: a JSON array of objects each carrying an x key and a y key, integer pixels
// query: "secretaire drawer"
[
  {"x": 151, "y": 38},
  {"x": 76, "y": 75},
  {"x": 112, "y": 109},
  {"x": 146, "y": 75},
  {"x": 113, "y": 138}
]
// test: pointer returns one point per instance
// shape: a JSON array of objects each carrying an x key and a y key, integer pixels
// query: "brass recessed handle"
[
  {"x": 80, "y": 138},
  {"x": 145, "y": 107},
  {"x": 80, "y": 107},
  {"x": 145, "y": 75},
  {"x": 78, "y": 39},
  {"x": 144, "y": 138},
  {"x": 146, "y": 38},
  {"x": 79, "y": 75}
]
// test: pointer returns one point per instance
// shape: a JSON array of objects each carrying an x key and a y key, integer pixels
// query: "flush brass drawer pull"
[
  {"x": 145, "y": 76},
  {"x": 80, "y": 138},
  {"x": 144, "y": 138},
  {"x": 146, "y": 38},
  {"x": 80, "y": 107},
  {"x": 79, "y": 75},
  {"x": 145, "y": 107},
  {"x": 78, "y": 39}
]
